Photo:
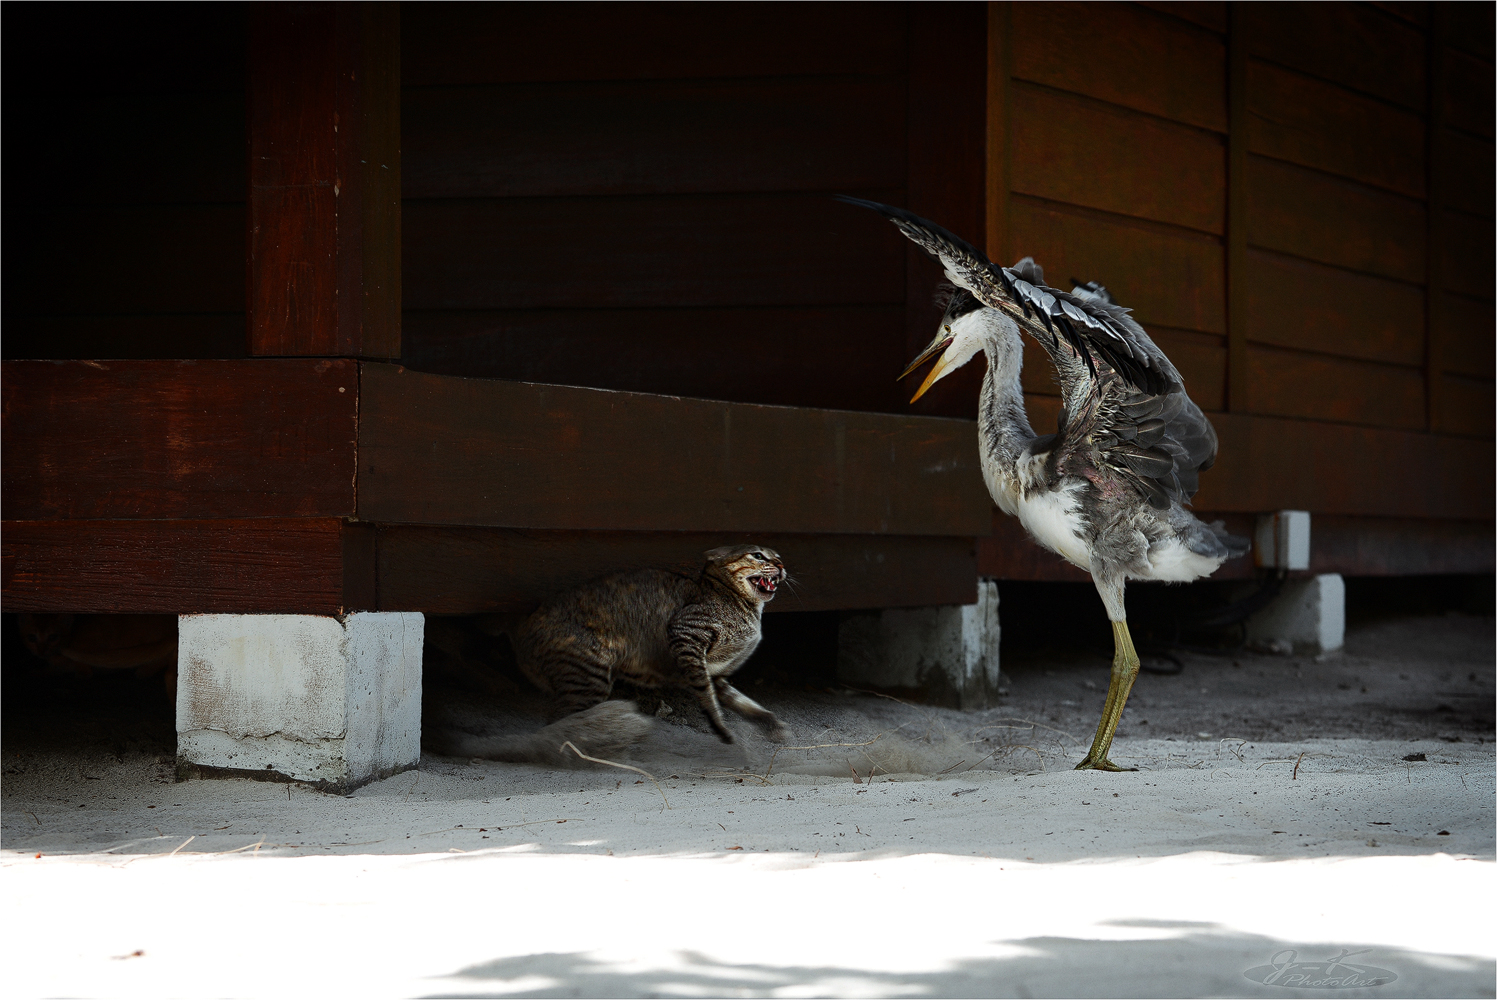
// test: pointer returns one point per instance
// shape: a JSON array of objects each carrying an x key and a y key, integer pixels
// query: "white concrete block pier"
[
  {"x": 334, "y": 702},
  {"x": 944, "y": 655},
  {"x": 1309, "y": 614}
]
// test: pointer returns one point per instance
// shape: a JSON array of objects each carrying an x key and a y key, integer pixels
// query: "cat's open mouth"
[{"x": 765, "y": 584}]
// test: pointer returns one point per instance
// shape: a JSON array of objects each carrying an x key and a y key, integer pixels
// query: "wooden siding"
[
  {"x": 1355, "y": 316},
  {"x": 638, "y": 197},
  {"x": 183, "y": 439},
  {"x": 658, "y": 216},
  {"x": 1116, "y": 170},
  {"x": 225, "y": 566}
]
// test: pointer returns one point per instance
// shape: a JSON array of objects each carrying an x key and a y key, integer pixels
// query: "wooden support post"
[{"x": 324, "y": 178}]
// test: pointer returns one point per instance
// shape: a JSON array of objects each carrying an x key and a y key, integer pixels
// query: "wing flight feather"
[{"x": 1093, "y": 328}]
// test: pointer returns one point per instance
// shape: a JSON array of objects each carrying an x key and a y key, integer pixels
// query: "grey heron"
[{"x": 1107, "y": 491}]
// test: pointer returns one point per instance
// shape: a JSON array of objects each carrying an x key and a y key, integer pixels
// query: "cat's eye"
[{"x": 758, "y": 555}]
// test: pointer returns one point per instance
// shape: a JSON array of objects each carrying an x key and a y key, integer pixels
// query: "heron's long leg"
[{"x": 1124, "y": 672}]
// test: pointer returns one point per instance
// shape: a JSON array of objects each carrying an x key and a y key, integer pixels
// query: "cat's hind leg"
[
  {"x": 747, "y": 707},
  {"x": 578, "y": 681}
]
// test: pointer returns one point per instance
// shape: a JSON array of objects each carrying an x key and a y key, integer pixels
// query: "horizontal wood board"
[
  {"x": 1083, "y": 152},
  {"x": 1468, "y": 98},
  {"x": 1290, "y": 383},
  {"x": 1350, "y": 44},
  {"x": 642, "y": 252},
  {"x": 1470, "y": 173},
  {"x": 1299, "y": 304},
  {"x": 1309, "y": 214},
  {"x": 1134, "y": 57},
  {"x": 1269, "y": 463},
  {"x": 440, "y": 450},
  {"x": 1465, "y": 259},
  {"x": 781, "y": 356},
  {"x": 1168, "y": 276},
  {"x": 228, "y": 566},
  {"x": 1466, "y": 405},
  {"x": 1316, "y": 124},
  {"x": 1466, "y": 343},
  {"x": 1366, "y": 546},
  {"x": 1351, "y": 546},
  {"x": 706, "y": 136},
  {"x": 1206, "y": 14},
  {"x": 179, "y": 439},
  {"x": 472, "y": 570}
]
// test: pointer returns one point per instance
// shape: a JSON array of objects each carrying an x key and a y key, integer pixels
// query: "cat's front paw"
[{"x": 778, "y": 733}]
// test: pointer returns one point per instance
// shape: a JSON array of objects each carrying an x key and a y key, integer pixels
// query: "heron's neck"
[{"x": 1002, "y": 422}]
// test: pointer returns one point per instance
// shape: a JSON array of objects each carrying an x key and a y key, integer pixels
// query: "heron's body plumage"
[{"x": 1107, "y": 491}]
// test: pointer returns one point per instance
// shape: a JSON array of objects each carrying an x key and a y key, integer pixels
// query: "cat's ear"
[{"x": 719, "y": 553}]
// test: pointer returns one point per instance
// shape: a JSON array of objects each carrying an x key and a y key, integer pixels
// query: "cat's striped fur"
[{"x": 650, "y": 629}]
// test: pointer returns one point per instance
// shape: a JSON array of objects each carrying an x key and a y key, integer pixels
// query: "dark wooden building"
[{"x": 315, "y": 308}]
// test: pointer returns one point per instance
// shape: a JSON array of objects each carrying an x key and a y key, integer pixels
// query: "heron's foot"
[{"x": 1098, "y": 763}]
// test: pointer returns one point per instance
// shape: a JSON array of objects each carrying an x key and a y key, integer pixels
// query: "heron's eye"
[{"x": 948, "y": 327}]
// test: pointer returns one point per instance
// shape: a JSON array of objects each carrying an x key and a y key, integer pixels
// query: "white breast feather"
[{"x": 1053, "y": 518}]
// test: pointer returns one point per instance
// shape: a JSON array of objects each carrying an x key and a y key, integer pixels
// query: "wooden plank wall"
[
  {"x": 638, "y": 197},
  {"x": 1297, "y": 203},
  {"x": 125, "y": 181}
]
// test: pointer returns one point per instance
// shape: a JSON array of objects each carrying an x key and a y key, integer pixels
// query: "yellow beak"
[{"x": 935, "y": 348}]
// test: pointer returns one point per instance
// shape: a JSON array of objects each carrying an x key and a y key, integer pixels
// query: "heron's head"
[{"x": 960, "y": 336}]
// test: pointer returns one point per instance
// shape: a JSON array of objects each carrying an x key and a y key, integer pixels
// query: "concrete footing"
[
  {"x": 334, "y": 702},
  {"x": 1309, "y": 615},
  {"x": 940, "y": 655}
]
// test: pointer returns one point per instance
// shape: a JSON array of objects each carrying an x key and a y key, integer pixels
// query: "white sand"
[
  {"x": 1170, "y": 882},
  {"x": 1019, "y": 878}
]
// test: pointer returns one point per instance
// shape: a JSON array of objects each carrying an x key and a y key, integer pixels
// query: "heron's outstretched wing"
[
  {"x": 1157, "y": 444},
  {"x": 1094, "y": 328}
]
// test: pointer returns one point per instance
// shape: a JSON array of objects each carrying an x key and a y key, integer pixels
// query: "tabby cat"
[{"x": 651, "y": 629}]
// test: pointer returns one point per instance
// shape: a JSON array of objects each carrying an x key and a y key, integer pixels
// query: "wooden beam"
[
  {"x": 435, "y": 449},
  {"x": 254, "y": 566},
  {"x": 1378, "y": 546},
  {"x": 324, "y": 179},
  {"x": 471, "y": 570},
  {"x": 179, "y": 439},
  {"x": 1351, "y": 546},
  {"x": 1270, "y": 463}
]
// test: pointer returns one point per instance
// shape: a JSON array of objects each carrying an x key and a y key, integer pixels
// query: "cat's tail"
[{"x": 607, "y": 729}]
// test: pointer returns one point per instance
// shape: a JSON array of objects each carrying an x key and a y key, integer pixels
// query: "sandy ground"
[{"x": 1276, "y": 820}]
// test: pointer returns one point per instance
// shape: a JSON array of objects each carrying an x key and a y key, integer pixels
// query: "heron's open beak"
[{"x": 936, "y": 346}]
